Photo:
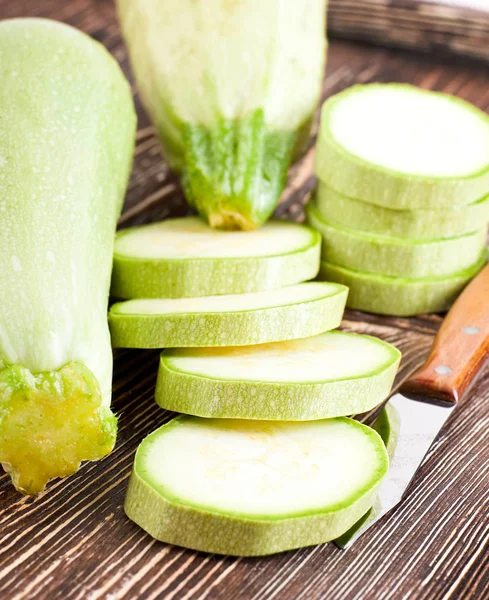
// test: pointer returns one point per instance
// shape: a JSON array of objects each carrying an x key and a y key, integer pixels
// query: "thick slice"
[
  {"x": 288, "y": 313},
  {"x": 186, "y": 258},
  {"x": 328, "y": 375},
  {"x": 398, "y": 296},
  {"x": 232, "y": 88},
  {"x": 402, "y": 147},
  {"x": 67, "y": 131},
  {"x": 397, "y": 257},
  {"x": 419, "y": 224},
  {"x": 253, "y": 488}
]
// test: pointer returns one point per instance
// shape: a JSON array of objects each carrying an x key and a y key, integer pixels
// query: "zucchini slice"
[
  {"x": 289, "y": 313},
  {"x": 399, "y": 296},
  {"x": 328, "y": 375},
  {"x": 397, "y": 257},
  {"x": 254, "y": 488},
  {"x": 186, "y": 258},
  {"x": 402, "y": 147},
  {"x": 420, "y": 224}
]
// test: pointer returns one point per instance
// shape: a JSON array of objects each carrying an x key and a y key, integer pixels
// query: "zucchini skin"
[
  {"x": 234, "y": 172},
  {"x": 396, "y": 296}
]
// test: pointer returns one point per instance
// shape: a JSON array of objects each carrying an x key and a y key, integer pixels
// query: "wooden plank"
[{"x": 74, "y": 542}]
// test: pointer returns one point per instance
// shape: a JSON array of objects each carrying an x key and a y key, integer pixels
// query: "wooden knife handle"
[{"x": 461, "y": 347}]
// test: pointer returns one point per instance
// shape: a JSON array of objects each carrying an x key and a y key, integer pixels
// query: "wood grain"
[
  {"x": 460, "y": 349},
  {"x": 74, "y": 542},
  {"x": 437, "y": 26}
]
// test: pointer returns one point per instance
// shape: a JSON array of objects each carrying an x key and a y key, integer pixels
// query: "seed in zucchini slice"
[
  {"x": 254, "y": 488},
  {"x": 419, "y": 224},
  {"x": 186, "y": 258},
  {"x": 293, "y": 312},
  {"x": 402, "y": 147},
  {"x": 328, "y": 375},
  {"x": 396, "y": 256},
  {"x": 399, "y": 296}
]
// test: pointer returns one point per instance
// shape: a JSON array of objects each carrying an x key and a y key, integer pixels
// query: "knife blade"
[{"x": 427, "y": 399}]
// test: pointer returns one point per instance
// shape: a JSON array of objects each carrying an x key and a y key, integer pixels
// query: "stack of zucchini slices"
[
  {"x": 402, "y": 202},
  {"x": 263, "y": 459}
]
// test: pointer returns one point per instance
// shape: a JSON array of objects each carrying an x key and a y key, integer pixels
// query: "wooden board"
[
  {"x": 439, "y": 26},
  {"x": 74, "y": 542}
]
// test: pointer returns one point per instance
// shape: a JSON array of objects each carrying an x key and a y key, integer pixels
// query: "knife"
[{"x": 427, "y": 398}]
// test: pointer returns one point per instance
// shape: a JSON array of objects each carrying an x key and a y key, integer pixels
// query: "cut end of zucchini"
[
  {"x": 434, "y": 135},
  {"x": 327, "y": 375},
  {"x": 234, "y": 173},
  {"x": 187, "y": 258},
  {"x": 251, "y": 488},
  {"x": 50, "y": 423},
  {"x": 229, "y": 320}
]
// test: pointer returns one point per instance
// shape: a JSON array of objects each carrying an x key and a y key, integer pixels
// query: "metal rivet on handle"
[
  {"x": 471, "y": 330},
  {"x": 443, "y": 370}
]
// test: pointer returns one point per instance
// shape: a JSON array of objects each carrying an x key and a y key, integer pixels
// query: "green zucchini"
[
  {"x": 287, "y": 313},
  {"x": 328, "y": 375},
  {"x": 232, "y": 88},
  {"x": 67, "y": 130},
  {"x": 397, "y": 257},
  {"x": 404, "y": 148},
  {"x": 398, "y": 296},
  {"x": 254, "y": 488},
  {"x": 186, "y": 258},
  {"x": 419, "y": 224}
]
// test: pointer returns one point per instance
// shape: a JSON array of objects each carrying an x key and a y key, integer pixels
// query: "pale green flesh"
[
  {"x": 252, "y": 488},
  {"x": 186, "y": 258},
  {"x": 66, "y": 139},
  {"x": 399, "y": 296},
  {"x": 434, "y": 166},
  {"x": 328, "y": 375},
  {"x": 256, "y": 68},
  {"x": 229, "y": 320},
  {"x": 397, "y": 257},
  {"x": 420, "y": 224}
]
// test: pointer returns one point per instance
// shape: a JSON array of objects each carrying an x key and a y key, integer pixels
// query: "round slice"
[
  {"x": 328, "y": 375},
  {"x": 420, "y": 224},
  {"x": 396, "y": 256},
  {"x": 184, "y": 257},
  {"x": 398, "y": 296},
  {"x": 253, "y": 488},
  {"x": 288, "y": 313},
  {"x": 402, "y": 147}
]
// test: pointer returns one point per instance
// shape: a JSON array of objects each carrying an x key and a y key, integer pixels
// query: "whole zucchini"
[{"x": 231, "y": 87}]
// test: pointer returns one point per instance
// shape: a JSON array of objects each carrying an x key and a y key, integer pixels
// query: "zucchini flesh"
[
  {"x": 232, "y": 88},
  {"x": 66, "y": 145},
  {"x": 186, "y": 258},
  {"x": 399, "y": 296},
  {"x": 229, "y": 320},
  {"x": 396, "y": 256},
  {"x": 441, "y": 143},
  {"x": 254, "y": 488},
  {"x": 420, "y": 224},
  {"x": 328, "y": 375}
]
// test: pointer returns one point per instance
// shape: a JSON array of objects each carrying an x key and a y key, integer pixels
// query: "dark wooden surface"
[{"x": 74, "y": 542}]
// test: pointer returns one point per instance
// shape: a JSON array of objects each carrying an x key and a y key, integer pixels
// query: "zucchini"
[
  {"x": 404, "y": 148},
  {"x": 397, "y": 257},
  {"x": 186, "y": 258},
  {"x": 232, "y": 88},
  {"x": 329, "y": 375},
  {"x": 420, "y": 224},
  {"x": 399, "y": 296},
  {"x": 67, "y": 131},
  {"x": 288, "y": 313},
  {"x": 254, "y": 488}
]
